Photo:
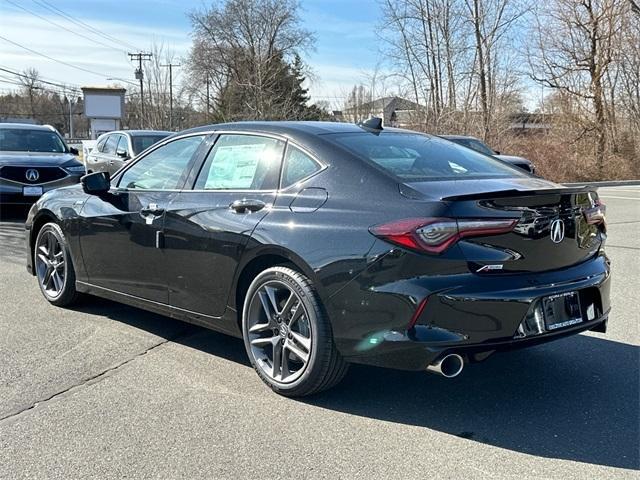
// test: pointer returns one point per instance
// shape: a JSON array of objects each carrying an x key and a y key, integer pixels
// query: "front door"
[
  {"x": 121, "y": 234},
  {"x": 207, "y": 228}
]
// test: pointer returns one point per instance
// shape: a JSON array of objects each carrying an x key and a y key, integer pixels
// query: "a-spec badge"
[{"x": 487, "y": 268}]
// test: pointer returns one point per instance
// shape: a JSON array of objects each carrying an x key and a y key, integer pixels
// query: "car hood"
[
  {"x": 446, "y": 188},
  {"x": 37, "y": 159},
  {"x": 512, "y": 159}
]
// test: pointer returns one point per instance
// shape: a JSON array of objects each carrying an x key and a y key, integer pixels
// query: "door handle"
[
  {"x": 247, "y": 205},
  {"x": 152, "y": 209}
]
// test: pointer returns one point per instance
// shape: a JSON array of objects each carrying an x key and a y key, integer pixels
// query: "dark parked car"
[
  {"x": 34, "y": 159},
  {"x": 479, "y": 146},
  {"x": 323, "y": 244},
  {"x": 113, "y": 149}
]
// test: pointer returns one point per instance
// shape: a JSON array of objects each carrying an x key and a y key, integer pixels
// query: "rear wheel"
[
  {"x": 54, "y": 269},
  {"x": 288, "y": 336}
]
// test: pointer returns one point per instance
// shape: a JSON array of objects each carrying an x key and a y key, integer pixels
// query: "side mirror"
[
  {"x": 74, "y": 151},
  {"x": 496, "y": 152},
  {"x": 122, "y": 154},
  {"x": 96, "y": 183}
]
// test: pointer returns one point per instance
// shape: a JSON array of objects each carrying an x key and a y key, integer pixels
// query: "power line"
[
  {"x": 84, "y": 25},
  {"x": 61, "y": 85},
  {"x": 62, "y": 26},
  {"x": 55, "y": 59}
]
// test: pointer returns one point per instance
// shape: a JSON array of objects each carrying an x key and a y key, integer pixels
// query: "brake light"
[{"x": 435, "y": 235}]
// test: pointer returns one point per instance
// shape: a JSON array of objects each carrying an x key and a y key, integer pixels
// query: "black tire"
[
  {"x": 65, "y": 295},
  {"x": 324, "y": 367}
]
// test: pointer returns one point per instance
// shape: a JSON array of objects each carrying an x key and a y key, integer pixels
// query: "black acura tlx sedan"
[{"x": 322, "y": 244}]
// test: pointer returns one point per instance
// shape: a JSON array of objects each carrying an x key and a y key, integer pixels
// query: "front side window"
[
  {"x": 413, "y": 157},
  {"x": 123, "y": 146},
  {"x": 297, "y": 166},
  {"x": 164, "y": 168},
  {"x": 242, "y": 162},
  {"x": 25, "y": 140}
]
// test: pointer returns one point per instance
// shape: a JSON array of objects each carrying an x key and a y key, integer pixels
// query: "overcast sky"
[{"x": 346, "y": 49}]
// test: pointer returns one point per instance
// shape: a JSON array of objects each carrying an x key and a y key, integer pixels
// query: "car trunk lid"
[{"x": 555, "y": 228}]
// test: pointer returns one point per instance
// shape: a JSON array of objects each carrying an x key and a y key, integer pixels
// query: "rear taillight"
[{"x": 435, "y": 235}]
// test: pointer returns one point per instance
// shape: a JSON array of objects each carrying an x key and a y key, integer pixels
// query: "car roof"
[
  {"x": 26, "y": 126},
  {"x": 288, "y": 127},
  {"x": 136, "y": 133}
]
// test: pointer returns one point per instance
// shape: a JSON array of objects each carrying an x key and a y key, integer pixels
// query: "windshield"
[
  {"x": 24, "y": 140},
  {"x": 142, "y": 142},
  {"x": 414, "y": 157}
]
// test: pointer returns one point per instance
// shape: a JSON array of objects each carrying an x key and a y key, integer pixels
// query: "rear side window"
[
  {"x": 111, "y": 143},
  {"x": 242, "y": 162},
  {"x": 101, "y": 143},
  {"x": 297, "y": 166},
  {"x": 413, "y": 157}
]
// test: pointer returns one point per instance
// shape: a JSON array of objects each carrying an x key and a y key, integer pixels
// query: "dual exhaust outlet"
[{"x": 448, "y": 366}]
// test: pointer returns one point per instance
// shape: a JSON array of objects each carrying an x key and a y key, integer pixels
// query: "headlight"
[{"x": 78, "y": 169}]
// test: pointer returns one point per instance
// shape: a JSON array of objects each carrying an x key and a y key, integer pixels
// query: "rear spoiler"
[{"x": 520, "y": 193}]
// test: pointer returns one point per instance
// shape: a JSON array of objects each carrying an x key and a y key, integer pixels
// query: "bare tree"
[
  {"x": 574, "y": 51},
  {"x": 245, "y": 50}
]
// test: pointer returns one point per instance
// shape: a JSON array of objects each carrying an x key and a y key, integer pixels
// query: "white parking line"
[
  {"x": 619, "y": 190},
  {"x": 621, "y": 198}
]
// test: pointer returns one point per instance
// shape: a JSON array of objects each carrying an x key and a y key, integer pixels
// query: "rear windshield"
[
  {"x": 24, "y": 140},
  {"x": 414, "y": 158},
  {"x": 142, "y": 142}
]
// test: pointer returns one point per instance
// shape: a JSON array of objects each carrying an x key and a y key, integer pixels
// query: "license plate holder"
[
  {"x": 562, "y": 310},
  {"x": 32, "y": 191}
]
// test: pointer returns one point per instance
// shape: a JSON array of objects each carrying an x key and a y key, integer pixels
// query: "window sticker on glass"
[{"x": 242, "y": 162}]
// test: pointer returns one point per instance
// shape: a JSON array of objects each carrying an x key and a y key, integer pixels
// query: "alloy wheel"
[
  {"x": 279, "y": 332},
  {"x": 50, "y": 264}
]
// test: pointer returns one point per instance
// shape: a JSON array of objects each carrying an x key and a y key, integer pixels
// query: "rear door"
[
  {"x": 121, "y": 234},
  {"x": 94, "y": 158},
  {"x": 108, "y": 153},
  {"x": 117, "y": 161},
  {"x": 208, "y": 227}
]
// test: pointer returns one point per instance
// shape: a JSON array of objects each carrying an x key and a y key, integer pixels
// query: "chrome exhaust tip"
[{"x": 448, "y": 366}]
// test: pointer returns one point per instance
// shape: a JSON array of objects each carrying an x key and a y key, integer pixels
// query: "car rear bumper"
[{"x": 472, "y": 315}]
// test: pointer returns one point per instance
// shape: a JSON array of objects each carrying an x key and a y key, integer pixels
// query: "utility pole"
[
  {"x": 208, "y": 109},
  {"x": 170, "y": 66},
  {"x": 139, "y": 74},
  {"x": 70, "y": 117}
]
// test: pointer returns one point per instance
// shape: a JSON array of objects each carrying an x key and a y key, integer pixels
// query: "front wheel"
[
  {"x": 288, "y": 336},
  {"x": 53, "y": 265}
]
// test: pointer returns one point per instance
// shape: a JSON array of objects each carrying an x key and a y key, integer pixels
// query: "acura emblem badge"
[
  {"x": 557, "y": 231},
  {"x": 32, "y": 174}
]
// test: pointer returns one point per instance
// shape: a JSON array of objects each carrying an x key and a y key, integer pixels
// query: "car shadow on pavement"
[{"x": 574, "y": 399}]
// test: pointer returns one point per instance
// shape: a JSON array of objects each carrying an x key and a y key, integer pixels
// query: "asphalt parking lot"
[{"x": 109, "y": 391}]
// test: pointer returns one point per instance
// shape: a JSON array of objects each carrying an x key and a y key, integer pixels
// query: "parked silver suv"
[{"x": 113, "y": 149}]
